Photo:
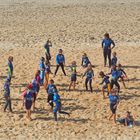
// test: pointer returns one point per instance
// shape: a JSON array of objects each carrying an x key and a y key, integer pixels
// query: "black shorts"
[
  {"x": 73, "y": 78},
  {"x": 113, "y": 110},
  {"x": 28, "y": 104},
  {"x": 50, "y": 99}
]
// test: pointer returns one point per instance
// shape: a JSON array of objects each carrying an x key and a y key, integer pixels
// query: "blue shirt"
[
  {"x": 115, "y": 74},
  {"x": 105, "y": 80},
  {"x": 6, "y": 89},
  {"x": 114, "y": 61},
  {"x": 47, "y": 69},
  {"x": 60, "y": 59},
  {"x": 56, "y": 99},
  {"x": 113, "y": 99},
  {"x": 28, "y": 96},
  {"x": 51, "y": 88},
  {"x": 121, "y": 72},
  {"x": 42, "y": 66},
  {"x": 10, "y": 65},
  {"x": 89, "y": 74},
  {"x": 106, "y": 43},
  {"x": 85, "y": 61},
  {"x": 34, "y": 84}
]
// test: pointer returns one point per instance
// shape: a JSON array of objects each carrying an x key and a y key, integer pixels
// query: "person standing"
[
  {"x": 114, "y": 101},
  {"x": 10, "y": 67},
  {"x": 42, "y": 70},
  {"x": 60, "y": 62},
  {"x": 7, "y": 95},
  {"x": 107, "y": 45},
  {"x": 47, "y": 48}
]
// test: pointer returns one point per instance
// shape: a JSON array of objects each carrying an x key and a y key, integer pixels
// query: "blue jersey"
[
  {"x": 35, "y": 85},
  {"x": 113, "y": 99},
  {"x": 105, "y": 80},
  {"x": 47, "y": 69},
  {"x": 114, "y": 61},
  {"x": 10, "y": 66},
  {"x": 85, "y": 61},
  {"x": 51, "y": 88},
  {"x": 106, "y": 43},
  {"x": 89, "y": 74},
  {"x": 121, "y": 72},
  {"x": 28, "y": 96},
  {"x": 115, "y": 74},
  {"x": 42, "y": 66},
  {"x": 56, "y": 98},
  {"x": 60, "y": 59}
]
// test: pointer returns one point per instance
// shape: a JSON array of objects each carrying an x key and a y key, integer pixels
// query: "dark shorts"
[
  {"x": 73, "y": 77},
  {"x": 28, "y": 104},
  {"x": 113, "y": 110},
  {"x": 50, "y": 99}
]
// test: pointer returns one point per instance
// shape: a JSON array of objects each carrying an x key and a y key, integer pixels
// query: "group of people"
[{"x": 41, "y": 78}]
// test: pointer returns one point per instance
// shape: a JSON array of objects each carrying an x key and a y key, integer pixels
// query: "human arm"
[{"x": 113, "y": 44}]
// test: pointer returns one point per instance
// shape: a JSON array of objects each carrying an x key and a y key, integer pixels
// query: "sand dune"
[{"x": 76, "y": 27}]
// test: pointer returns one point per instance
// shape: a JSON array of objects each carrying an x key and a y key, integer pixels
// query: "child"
[
  {"x": 57, "y": 101},
  {"x": 10, "y": 67},
  {"x": 73, "y": 75},
  {"x": 35, "y": 91},
  {"x": 128, "y": 120},
  {"x": 42, "y": 70},
  {"x": 85, "y": 61},
  {"x": 60, "y": 62},
  {"x": 38, "y": 80},
  {"x": 7, "y": 95},
  {"x": 51, "y": 88},
  {"x": 114, "y": 59},
  {"x": 106, "y": 83},
  {"x": 122, "y": 74},
  {"x": 28, "y": 100},
  {"x": 89, "y": 73},
  {"x": 47, "y": 48},
  {"x": 106, "y": 45},
  {"x": 115, "y": 77},
  {"x": 114, "y": 101},
  {"x": 47, "y": 72}
]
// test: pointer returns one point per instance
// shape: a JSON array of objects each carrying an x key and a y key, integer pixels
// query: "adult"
[
  {"x": 47, "y": 48},
  {"x": 10, "y": 67},
  {"x": 60, "y": 62},
  {"x": 107, "y": 45}
]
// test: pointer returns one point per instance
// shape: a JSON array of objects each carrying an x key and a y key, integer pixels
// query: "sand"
[{"x": 76, "y": 27}]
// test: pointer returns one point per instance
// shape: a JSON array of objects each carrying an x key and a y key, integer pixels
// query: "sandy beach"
[{"x": 76, "y": 26}]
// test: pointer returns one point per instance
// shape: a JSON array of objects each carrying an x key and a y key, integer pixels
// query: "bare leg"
[
  {"x": 110, "y": 117},
  {"x": 74, "y": 84},
  {"x": 70, "y": 86},
  {"x": 123, "y": 82},
  {"x": 103, "y": 93},
  {"x": 114, "y": 118}
]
